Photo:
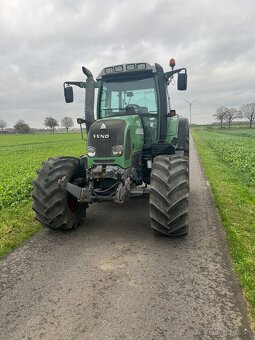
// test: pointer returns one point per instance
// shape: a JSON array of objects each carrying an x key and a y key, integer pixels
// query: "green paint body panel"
[
  {"x": 172, "y": 128},
  {"x": 134, "y": 124}
]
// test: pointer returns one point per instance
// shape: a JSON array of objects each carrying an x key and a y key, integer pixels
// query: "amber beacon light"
[{"x": 172, "y": 63}]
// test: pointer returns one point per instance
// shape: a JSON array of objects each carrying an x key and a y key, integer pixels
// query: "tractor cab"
[
  {"x": 134, "y": 97},
  {"x": 126, "y": 92}
]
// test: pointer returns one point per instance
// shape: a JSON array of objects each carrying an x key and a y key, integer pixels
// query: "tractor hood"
[{"x": 114, "y": 140}]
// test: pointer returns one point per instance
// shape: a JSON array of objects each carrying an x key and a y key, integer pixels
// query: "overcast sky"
[{"x": 44, "y": 43}]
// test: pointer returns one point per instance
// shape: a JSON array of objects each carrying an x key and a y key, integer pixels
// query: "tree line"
[
  {"x": 22, "y": 127},
  {"x": 51, "y": 122},
  {"x": 227, "y": 114}
]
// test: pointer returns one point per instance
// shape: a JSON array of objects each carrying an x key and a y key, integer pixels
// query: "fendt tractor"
[{"x": 137, "y": 147}]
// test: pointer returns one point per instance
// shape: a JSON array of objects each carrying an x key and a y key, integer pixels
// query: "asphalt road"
[{"x": 114, "y": 279}]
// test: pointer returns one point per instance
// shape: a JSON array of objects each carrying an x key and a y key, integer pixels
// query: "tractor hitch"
[
  {"x": 83, "y": 195},
  {"x": 90, "y": 195}
]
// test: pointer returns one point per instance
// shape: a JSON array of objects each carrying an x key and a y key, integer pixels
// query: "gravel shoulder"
[{"x": 114, "y": 279}]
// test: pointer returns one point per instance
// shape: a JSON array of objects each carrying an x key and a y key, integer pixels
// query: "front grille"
[{"x": 104, "y": 134}]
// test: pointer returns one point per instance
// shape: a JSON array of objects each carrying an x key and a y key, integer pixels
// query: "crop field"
[
  {"x": 21, "y": 156},
  {"x": 236, "y": 148},
  {"x": 228, "y": 158}
]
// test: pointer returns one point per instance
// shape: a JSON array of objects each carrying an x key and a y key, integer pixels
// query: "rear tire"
[
  {"x": 183, "y": 136},
  {"x": 55, "y": 208},
  {"x": 169, "y": 195}
]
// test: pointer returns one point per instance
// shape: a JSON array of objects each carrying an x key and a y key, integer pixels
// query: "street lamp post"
[{"x": 190, "y": 103}]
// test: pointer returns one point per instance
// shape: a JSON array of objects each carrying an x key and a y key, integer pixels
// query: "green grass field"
[
  {"x": 21, "y": 156},
  {"x": 228, "y": 157}
]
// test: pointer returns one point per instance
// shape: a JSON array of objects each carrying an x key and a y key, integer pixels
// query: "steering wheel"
[{"x": 130, "y": 106}]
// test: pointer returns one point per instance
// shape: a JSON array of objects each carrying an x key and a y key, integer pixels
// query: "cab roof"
[{"x": 126, "y": 70}]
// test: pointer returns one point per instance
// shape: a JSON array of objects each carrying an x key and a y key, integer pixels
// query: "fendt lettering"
[
  {"x": 101, "y": 136},
  {"x": 152, "y": 162}
]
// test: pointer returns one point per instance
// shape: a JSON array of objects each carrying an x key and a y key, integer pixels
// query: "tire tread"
[{"x": 169, "y": 195}]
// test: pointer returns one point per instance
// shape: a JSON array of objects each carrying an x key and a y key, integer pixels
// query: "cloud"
[{"x": 45, "y": 43}]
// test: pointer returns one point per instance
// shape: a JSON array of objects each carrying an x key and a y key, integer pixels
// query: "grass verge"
[
  {"x": 16, "y": 225},
  {"x": 235, "y": 200},
  {"x": 21, "y": 155}
]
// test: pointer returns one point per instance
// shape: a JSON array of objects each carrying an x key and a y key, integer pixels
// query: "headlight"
[
  {"x": 91, "y": 151},
  {"x": 117, "y": 150}
]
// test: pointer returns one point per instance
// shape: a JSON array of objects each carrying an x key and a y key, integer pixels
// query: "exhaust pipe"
[{"x": 89, "y": 98}]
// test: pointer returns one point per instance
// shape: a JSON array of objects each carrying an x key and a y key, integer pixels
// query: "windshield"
[{"x": 128, "y": 97}]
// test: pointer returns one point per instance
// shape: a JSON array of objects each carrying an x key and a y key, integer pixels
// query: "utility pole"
[{"x": 190, "y": 103}]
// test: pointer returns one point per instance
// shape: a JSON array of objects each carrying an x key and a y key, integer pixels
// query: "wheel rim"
[{"x": 72, "y": 202}]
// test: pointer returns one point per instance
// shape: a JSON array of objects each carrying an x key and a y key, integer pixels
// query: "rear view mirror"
[
  {"x": 81, "y": 121},
  {"x": 68, "y": 92},
  {"x": 182, "y": 81}
]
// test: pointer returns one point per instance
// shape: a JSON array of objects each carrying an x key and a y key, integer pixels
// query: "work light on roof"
[
  {"x": 109, "y": 70},
  {"x": 141, "y": 66},
  {"x": 130, "y": 67},
  {"x": 118, "y": 68}
]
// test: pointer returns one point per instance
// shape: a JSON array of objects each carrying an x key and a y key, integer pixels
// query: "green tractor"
[{"x": 137, "y": 147}]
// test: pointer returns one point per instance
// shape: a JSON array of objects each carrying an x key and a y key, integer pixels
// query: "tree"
[
  {"x": 22, "y": 127},
  {"x": 248, "y": 111},
  {"x": 51, "y": 123},
  {"x": 231, "y": 114},
  {"x": 220, "y": 114},
  {"x": 67, "y": 122},
  {"x": 3, "y": 124}
]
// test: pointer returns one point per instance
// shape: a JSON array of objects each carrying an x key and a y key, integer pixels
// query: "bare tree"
[
  {"x": 22, "y": 127},
  {"x": 232, "y": 114},
  {"x": 248, "y": 111},
  {"x": 3, "y": 124},
  {"x": 220, "y": 114},
  {"x": 51, "y": 123},
  {"x": 67, "y": 122}
]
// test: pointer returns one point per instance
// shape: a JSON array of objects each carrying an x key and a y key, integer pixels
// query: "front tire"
[
  {"x": 169, "y": 195},
  {"x": 55, "y": 208}
]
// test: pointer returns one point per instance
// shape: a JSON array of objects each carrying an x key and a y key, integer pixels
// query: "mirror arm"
[
  {"x": 82, "y": 136},
  {"x": 80, "y": 84},
  {"x": 171, "y": 73}
]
